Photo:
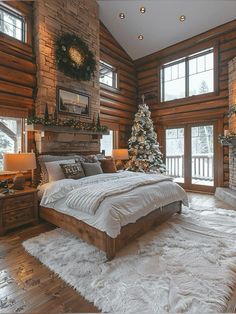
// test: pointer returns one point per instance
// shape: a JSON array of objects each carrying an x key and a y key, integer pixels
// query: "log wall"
[
  {"x": 17, "y": 68},
  {"x": 201, "y": 108},
  {"x": 118, "y": 106}
]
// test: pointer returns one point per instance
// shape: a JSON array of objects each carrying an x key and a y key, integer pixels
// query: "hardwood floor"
[{"x": 28, "y": 286}]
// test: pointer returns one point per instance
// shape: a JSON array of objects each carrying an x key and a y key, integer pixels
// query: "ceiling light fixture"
[
  {"x": 182, "y": 18},
  {"x": 122, "y": 15},
  {"x": 142, "y": 10},
  {"x": 140, "y": 37}
]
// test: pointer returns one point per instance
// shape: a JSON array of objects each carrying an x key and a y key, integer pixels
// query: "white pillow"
[{"x": 54, "y": 169}]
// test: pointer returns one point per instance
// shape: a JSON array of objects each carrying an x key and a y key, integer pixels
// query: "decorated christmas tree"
[{"x": 144, "y": 151}]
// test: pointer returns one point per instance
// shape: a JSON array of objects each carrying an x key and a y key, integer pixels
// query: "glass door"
[
  {"x": 190, "y": 155},
  {"x": 175, "y": 153},
  {"x": 202, "y": 155}
]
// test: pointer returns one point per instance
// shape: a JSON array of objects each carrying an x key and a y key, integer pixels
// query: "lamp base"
[{"x": 18, "y": 182}]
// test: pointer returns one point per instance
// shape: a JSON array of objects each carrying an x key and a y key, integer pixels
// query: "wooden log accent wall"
[
  {"x": 118, "y": 106},
  {"x": 201, "y": 108},
  {"x": 17, "y": 68}
]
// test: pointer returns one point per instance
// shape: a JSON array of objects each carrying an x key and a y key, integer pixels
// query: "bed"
[{"x": 125, "y": 205}]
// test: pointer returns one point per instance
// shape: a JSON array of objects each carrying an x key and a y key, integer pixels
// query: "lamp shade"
[
  {"x": 19, "y": 162},
  {"x": 120, "y": 154}
]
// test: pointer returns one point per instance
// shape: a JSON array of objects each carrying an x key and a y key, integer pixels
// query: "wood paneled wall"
[
  {"x": 118, "y": 106},
  {"x": 17, "y": 68},
  {"x": 202, "y": 108}
]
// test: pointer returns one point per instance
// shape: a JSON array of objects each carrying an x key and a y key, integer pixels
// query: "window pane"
[
  {"x": 107, "y": 75},
  {"x": 174, "y": 70},
  {"x": 201, "y": 64},
  {"x": 174, "y": 89},
  {"x": 201, "y": 83},
  {"x": 192, "y": 66},
  {"x": 11, "y": 23},
  {"x": 174, "y": 81},
  {"x": 10, "y": 136},
  {"x": 175, "y": 153},
  {"x": 209, "y": 61},
  {"x": 107, "y": 143},
  {"x": 202, "y": 147}
]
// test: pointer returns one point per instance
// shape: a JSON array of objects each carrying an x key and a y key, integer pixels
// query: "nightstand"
[{"x": 18, "y": 209}]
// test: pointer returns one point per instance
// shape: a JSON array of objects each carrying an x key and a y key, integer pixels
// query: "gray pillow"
[{"x": 91, "y": 169}]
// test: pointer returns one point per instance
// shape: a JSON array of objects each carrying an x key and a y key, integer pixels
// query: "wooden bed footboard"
[{"x": 99, "y": 238}]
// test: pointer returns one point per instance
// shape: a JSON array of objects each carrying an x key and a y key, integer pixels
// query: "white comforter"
[
  {"x": 114, "y": 211},
  {"x": 88, "y": 200}
]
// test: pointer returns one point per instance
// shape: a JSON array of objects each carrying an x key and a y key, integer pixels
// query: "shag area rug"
[{"x": 187, "y": 264}]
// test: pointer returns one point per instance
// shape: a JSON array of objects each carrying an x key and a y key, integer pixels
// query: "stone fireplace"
[
  {"x": 51, "y": 19},
  {"x": 229, "y": 194}
]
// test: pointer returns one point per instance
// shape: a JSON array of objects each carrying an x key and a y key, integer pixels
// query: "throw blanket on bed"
[{"x": 88, "y": 198}]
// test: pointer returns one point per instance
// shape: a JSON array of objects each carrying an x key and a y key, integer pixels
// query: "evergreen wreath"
[{"x": 74, "y": 57}]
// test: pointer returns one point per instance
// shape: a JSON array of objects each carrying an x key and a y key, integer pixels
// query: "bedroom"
[{"x": 75, "y": 79}]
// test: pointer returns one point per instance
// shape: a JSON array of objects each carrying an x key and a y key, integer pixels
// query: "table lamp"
[
  {"x": 119, "y": 156},
  {"x": 19, "y": 162}
]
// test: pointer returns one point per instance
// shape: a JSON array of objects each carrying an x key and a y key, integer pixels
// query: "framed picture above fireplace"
[{"x": 71, "y": 102}]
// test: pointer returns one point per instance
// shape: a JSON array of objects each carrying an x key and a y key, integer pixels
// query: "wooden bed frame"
[{"x": 99, "y": 238}]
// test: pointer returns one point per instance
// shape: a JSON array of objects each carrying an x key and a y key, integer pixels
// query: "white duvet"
[{"x": 117, "y": 210}]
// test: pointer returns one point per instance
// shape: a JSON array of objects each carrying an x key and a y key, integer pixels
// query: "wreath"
[{"x": 74, "y": 57}]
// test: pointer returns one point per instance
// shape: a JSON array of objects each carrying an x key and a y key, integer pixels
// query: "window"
[
  {"x": 10, "y": 136},
  {"x": 192, "y": 75},
  {"x": 108, "y": 74},
  {"x": 107, "y": 143},
  {"x": 12, "y": 23}
]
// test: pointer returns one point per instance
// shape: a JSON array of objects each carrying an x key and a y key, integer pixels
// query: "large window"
[
  {"x": 107, "y": 143},
  {"x": 192, "y": 75},
  {"x": 12, "y": 23},
  {"x": 107, "y": 74},
  {"x": 10, "y": 136}
]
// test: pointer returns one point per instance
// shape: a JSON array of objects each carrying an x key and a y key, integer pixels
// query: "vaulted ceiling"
[{"x": 160, "y": 24}]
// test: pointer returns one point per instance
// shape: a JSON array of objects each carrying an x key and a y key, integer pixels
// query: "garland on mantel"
[
  {"x": 232, "y": 111},
  {"x": 227, "y": 139},
  {"x": 71, "y": 123}
]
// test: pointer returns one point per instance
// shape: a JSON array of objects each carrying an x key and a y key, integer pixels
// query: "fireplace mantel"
[{"x": 61, "y": 129}]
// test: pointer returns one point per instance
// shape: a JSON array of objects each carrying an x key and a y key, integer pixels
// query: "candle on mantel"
[{"x": 226, "y": 132}]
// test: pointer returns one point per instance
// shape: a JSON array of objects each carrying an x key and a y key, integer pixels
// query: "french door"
[{"x": 189, "y": 152}]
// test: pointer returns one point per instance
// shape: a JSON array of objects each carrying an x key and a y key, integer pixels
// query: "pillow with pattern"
[{"x": 73, "y": 171}]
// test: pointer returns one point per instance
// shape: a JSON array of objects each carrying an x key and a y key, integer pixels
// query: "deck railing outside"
[{"x": 202, "y": 166}]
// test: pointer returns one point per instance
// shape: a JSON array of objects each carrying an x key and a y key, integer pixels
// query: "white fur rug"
[{"x": 185, "y": 265}]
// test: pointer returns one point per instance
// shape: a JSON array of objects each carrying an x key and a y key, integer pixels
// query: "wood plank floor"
[{"x": 28, "y": 286}]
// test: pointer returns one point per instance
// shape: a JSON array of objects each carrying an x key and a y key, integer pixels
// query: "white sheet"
[{"x": 116, "y": 211}]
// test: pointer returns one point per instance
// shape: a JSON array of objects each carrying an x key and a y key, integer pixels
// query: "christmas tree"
[{"x": 144, "y": 151}]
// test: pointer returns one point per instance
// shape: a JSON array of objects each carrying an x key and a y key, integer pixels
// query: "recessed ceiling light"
[
  {"x": 182, "y": 18},
  {"x": 142, "y": 9},
  {"x": 140, "y": 37},
  {"x": 122, "y": 15}
]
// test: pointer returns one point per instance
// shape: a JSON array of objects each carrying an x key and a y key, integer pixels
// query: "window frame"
[
  {"x": 23, "y": 146},
  {"x": 115, "y": 79},
  {"x": 18, "y": 15},
  {"x": 181, "y": 56},
  {"x": 115, "y": 137}
]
